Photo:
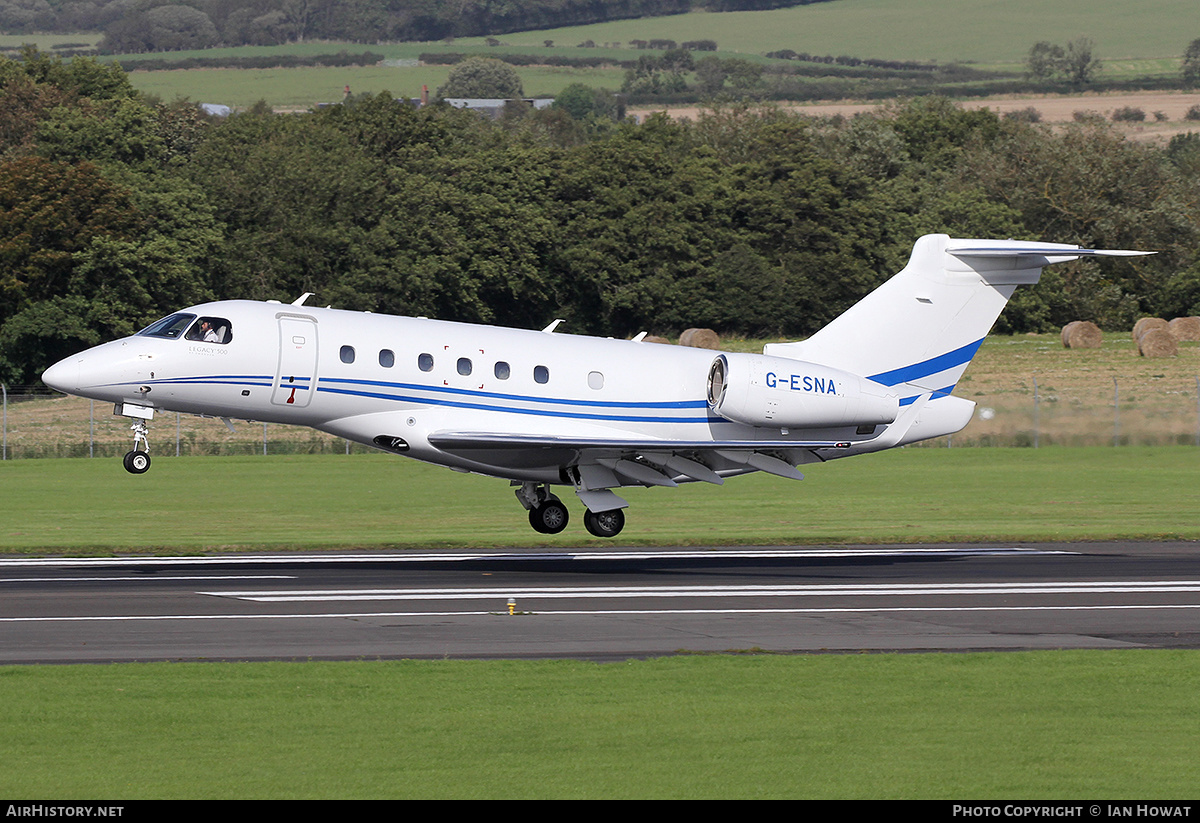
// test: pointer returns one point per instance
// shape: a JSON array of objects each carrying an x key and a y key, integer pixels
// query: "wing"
[{"x": 596, "y": 465}]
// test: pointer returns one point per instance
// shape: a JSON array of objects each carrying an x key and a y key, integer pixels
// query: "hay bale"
[
  {"x": 1082, "y": 334},
  {"x": 1185, "y": 329},
  {"x": 653, "y": 338},
  {"x": 1145, "y": 324},
  {"x": 700, "y": 339},
  {"x": 1157, "y": 343}
]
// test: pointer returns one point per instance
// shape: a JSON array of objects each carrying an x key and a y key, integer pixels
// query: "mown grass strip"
[
  {"x": 1115, "y": 724},
  {"x": 379, "y": 501}
]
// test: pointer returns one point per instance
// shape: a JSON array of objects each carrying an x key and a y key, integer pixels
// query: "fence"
[
  {"x": 38, "y": 422},
  {"x": 1034, "y": 411},
  {"x": 1151, "y": 410}
]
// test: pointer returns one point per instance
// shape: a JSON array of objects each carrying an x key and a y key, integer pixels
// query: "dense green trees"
[
  {"x": 1191, "y": 63},
  {"x": 482, "y": 77},
  {"x": 1075, "y": 64},
  {"x": 160, "y": 25},
  {"x": 114, "y": 211}
]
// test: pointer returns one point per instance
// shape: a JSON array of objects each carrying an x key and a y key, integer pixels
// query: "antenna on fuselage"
[
  {"x": 550, "y": 329},
  {"x": 299, "y": 301}
]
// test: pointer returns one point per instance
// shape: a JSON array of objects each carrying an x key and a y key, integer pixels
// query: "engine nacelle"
[{"x": 775, "y": 391}]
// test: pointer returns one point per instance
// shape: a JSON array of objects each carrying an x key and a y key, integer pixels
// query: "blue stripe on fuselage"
[{"x": 467, "y": 396}]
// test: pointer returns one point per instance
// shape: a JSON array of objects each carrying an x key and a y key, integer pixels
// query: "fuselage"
[{"x": 364, "y": 376}]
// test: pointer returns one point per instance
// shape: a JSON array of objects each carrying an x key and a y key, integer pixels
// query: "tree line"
[{"x": 116, "y": 210}]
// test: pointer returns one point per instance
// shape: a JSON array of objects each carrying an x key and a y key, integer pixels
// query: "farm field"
[
  {"x": 1057, "y": 108},
  {"x": 972, "y": 31},
  {"x": 307, "y": 87},
  {"x": 975, "y": 31},
  {"x": 982, "y": 33}
]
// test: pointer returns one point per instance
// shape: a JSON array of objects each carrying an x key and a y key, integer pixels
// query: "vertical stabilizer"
[{"x": 920, "y": 329}]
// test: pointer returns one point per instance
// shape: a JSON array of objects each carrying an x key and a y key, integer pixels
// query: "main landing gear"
[{"x": 548, "y": 514}]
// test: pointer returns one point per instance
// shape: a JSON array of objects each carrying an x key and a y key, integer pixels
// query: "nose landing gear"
[{"x": 138, "y": 460}]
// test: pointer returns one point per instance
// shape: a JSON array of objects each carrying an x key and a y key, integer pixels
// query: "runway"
[{"x": 604, "y": 605}]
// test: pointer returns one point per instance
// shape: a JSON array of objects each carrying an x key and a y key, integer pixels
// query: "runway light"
[{"x": 512, "y": 605}]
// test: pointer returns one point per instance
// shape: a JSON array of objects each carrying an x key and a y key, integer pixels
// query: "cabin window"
[
  {"x": 387, "y": 358},
  {"x": 347, "y": 354},
  {"x": 425, "y": 362},
  {"x": 541, "y": 374},
  {"x": 171, "y": 327},
  {"x": 464, "y": 366},
  {"x": 211, "y": 330},
  {"x": 595, "y": 380},
  {"x": 502, "y": 370}
]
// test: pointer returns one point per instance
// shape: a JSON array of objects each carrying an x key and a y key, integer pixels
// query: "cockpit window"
[
  {"x": 171, "y": 327},
  {"x": 211, "y": 330}
]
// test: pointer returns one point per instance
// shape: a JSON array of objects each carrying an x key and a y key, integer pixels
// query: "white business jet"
[{"x": 543, "y": 409}]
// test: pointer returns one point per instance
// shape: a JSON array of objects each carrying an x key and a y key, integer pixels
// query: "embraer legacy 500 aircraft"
[{"x": 543, "y": 409}]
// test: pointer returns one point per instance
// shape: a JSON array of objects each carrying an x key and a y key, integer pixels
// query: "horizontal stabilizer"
[{"x": 1041, "y": 250}]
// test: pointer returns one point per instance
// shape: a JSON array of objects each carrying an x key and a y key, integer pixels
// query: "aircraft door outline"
[{"x": 296, "y": 375}]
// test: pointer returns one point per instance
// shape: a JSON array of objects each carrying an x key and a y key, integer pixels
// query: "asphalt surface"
[{"x": 612, "y": 604}]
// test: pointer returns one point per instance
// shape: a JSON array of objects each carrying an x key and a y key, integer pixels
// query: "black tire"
[
  {"x": 136, "y": 462},
  {"x": 550, "y": 517},
  {"x": 604, "y": 524},
  {"x": 535, "y": 520}
]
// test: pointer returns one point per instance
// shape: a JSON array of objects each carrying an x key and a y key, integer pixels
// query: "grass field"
[
  {"x": 303, "y": 88},
  {"x": 975, "y": 31},
  {"x": 1043, "y": 725},
  {"x": 979, "y": 31},
  {"x": 988, "y": 33},
  {"x": 380, "y": 501}
]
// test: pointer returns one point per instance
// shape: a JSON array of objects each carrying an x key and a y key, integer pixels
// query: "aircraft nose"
[{"x": 63, "y": 376}]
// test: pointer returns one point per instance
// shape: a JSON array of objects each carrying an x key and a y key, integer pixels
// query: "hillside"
[{"x": 978, "y": 31}]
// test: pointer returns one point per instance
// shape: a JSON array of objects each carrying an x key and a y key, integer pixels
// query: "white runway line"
[
  {"x": 498, "y": 613},
  {"x": 601, "y": 592}
]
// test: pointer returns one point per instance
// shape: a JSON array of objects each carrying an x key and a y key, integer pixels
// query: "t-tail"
[{"x": 917, "y": 332}]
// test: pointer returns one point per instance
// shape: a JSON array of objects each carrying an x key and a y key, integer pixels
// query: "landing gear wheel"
[
  {"x": 604, "y": 524},
  {"x": 136, "y": 462},
  {"x": 550, "y": 517}
]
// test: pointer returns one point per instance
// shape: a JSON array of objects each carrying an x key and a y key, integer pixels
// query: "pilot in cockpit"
[{"x": 207, "y": 333}]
